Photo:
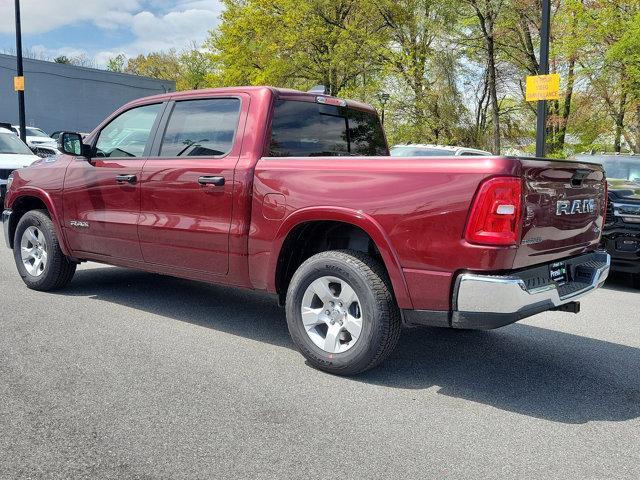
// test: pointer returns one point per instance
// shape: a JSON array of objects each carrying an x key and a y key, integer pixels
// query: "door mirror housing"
[{"x": 71, "y": 144}]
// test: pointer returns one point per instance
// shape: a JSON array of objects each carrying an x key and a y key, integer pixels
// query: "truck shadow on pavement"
[
  {"x": 621, "y": 282},
  {"x": 524, "y": 369}
]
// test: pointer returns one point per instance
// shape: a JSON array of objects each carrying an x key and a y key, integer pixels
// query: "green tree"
[
  {"x": 117, "y": 63},
  {"x": 195, "y": 69},
  {"x": 519, "y": 48},
  {"x": 613, "y": 37},
  {"x": 298, "y": 44},
  {"x": 454, "y": 70},
  {"x": 584, "y": 37},
  {"x": 481, "y": 24},
  {"x": 420, "y": 62},
  {"x": 164, "y": 65}
]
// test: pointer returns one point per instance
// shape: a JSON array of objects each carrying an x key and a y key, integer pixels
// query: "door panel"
[
  {"x": 101, "y": 197},
  {"x": 101, "y": 213},
  {"x": 184, "y": 223},
  {"x": 187, "y": 191}
]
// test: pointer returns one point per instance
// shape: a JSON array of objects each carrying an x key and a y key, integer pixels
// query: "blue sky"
[{"x": 101, "y": 29}]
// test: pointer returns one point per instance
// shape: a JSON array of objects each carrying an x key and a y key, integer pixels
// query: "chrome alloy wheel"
[
  {"x": 33, "y": 250},
  {"x": 331, "y": 314}
]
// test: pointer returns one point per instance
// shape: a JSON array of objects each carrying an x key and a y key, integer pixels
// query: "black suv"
[{"x": 621, "y": 234}]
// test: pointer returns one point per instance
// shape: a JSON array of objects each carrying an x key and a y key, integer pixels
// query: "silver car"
[{"x": 428, "y": 150}]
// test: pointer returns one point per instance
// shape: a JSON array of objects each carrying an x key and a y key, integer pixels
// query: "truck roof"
[{"x": 277, "y": 92}]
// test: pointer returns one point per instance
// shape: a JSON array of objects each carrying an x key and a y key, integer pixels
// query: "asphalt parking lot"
[{"x": 133, "y": 375}]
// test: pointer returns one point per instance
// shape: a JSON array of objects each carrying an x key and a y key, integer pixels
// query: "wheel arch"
[
  {"x": 299, "y": 226},
  {"x": 35, "y": 199}
]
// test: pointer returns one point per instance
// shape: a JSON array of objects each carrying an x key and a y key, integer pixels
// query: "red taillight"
[{"x": 496, "y": 212}]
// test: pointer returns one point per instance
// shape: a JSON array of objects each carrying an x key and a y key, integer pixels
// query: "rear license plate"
[{"x": 558, "y": 272}]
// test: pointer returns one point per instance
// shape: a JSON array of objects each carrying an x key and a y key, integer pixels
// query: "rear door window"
[
  {"x": 201, "y": 128},
  {"x": 308, "y": 129}
]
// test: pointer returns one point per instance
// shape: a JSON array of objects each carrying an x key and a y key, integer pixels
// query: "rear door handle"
[
  {"x": 215, "y": 181},
  {"x": 126, "y": 178}
]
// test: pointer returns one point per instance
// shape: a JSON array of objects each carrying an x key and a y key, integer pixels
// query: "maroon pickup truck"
[{"x": 296, "y": 194}]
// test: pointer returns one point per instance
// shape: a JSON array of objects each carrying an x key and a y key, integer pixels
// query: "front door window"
[{"x": 127, "y": 134}]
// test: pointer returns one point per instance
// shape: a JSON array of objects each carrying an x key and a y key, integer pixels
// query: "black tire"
[
  {"x": 636, "y": 280},
  {"x": 58, "y": 269},
  {"x": 380, "y": 315}
]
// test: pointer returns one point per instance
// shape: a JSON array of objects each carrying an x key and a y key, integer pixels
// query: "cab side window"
[
  {"x": 128, "y": 133},
  {"x": 201, "y": 128}
]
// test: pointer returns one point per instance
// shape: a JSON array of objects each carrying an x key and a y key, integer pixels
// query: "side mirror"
[{"x": 71, "y": 144}]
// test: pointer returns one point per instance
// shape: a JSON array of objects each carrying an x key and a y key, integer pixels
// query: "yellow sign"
[
  {"x": 18, "y": 84},
  {"x": 543, "y": 87}
]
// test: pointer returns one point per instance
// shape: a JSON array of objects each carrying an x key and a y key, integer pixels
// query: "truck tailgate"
[{"x": 564, "y": 207}]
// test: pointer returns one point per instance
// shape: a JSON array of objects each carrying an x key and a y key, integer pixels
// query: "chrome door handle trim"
[
  {"x": 215, "y": 181},
  {"x": 126, "y": 178}
]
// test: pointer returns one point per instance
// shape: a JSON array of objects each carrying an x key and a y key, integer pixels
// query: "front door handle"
[
  {"x": 126, "y": 178},
  {"x": 215, "y": 181}
]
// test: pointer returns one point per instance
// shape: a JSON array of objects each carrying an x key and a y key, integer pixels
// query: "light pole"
[
  {"x": 541, "y": 136},
  {"x": 23, "y": 127},
  {"x": 383, "y": 98}
]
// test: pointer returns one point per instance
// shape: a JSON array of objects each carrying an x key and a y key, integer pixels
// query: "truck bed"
[{"x": 422, "y": 205}]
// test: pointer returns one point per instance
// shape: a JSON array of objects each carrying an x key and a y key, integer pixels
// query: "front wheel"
[
  {"x": 37, "y": 253},
  {"x": 341, "y": 313}
]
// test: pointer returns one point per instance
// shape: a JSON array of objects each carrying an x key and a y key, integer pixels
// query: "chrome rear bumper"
[{"x": 491, "y": 301}]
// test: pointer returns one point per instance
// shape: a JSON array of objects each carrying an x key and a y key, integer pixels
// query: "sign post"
[
  {"x": 18, "y": 81},
  {"x": 541, "y": 136}
]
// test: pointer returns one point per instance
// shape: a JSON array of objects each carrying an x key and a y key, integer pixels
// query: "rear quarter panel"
[{"x": 419, "y": 204}]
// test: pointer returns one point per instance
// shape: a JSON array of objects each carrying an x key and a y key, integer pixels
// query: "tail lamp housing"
[{"x": 496, "y": 213}]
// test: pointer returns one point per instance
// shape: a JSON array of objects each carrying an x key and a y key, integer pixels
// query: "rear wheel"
[
  {"x": 37, "y": 253},
  {"x": 341, "y": 313}
]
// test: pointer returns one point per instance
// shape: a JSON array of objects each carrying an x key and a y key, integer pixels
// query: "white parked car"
[
  {"x": 38, "y": 138},
  {"x": 14, "y": 154},
  {"x": 428, "y": 150}
]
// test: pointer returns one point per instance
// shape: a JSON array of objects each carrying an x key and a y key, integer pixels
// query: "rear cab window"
[{"x": 309, "y": 129}]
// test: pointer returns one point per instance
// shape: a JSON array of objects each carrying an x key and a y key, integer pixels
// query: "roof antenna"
[{"x": 319, "y": 89}]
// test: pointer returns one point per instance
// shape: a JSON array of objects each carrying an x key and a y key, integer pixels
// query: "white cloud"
[
  {"x": 40, "y": 16},
  {"x": 155, "y": 24},
  {"x": 176, "y": 29},
  {"x": 101, "y": 58},
  {"x": 113, "y": 20},
  {"x": 41, "y": 51}
]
